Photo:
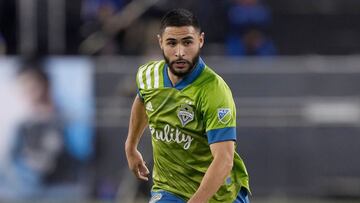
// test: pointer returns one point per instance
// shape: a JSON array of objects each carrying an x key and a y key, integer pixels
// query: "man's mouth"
[{"x": 180, "y": 63}]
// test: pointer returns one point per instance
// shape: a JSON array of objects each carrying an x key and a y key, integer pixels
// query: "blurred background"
[{"x": 67, "y": 81}]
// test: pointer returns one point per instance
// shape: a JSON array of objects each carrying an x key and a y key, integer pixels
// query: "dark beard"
[{"x": 191, "y": 64}]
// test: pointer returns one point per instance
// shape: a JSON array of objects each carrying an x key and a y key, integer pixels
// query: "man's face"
[
  {"x": 181, "y": 48},
  {"x": 33, "y": 87}
]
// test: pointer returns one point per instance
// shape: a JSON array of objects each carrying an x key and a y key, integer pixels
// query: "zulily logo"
[{"x": 169, "y": 134}]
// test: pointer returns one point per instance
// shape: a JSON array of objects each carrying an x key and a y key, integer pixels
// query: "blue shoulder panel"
[{"x": 222, "y": 134}]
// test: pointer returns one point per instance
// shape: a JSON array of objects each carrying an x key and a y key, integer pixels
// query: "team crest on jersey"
[
  {"x": 185, "y": 114},
  {"x": 224, "y": 115}
]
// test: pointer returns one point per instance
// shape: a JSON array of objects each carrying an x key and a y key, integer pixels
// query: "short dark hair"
[{"x": 179, "y": 17}]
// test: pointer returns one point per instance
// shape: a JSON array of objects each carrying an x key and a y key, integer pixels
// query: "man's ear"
[
  {"x": 160, "y": 41},
  {"x": 201, "y": 39}
]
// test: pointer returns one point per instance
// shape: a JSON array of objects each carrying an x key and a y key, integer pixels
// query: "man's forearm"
[
  {"x": 213, "y": 179},
  {"x": 137, "y": 124}
]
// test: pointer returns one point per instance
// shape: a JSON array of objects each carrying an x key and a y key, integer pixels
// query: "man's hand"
[{"x": 137, "y": 164}]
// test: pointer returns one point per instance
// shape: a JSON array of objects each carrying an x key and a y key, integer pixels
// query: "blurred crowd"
[{"x": 129, "y": 27}]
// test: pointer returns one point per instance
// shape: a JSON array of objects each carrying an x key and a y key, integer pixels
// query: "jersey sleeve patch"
[{"x": 222, "y": 134}]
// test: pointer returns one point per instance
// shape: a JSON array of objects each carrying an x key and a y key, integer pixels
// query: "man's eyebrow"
[
  {"x": 185, "y": 38},
  {"x": 170, "y": 39},
  {"x": 188, "y": 37}
]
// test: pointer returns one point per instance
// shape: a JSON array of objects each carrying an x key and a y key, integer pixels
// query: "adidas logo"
[{"x": 149, "y": 107}]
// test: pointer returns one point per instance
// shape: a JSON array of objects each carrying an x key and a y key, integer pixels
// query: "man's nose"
[{"x": 179, "y": 51}]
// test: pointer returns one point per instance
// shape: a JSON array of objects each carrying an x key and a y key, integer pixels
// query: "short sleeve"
[
  {"x": 219, "y": 113},
  {"x": 147, "y": 77},
  {"x": 140, "y": 82}
]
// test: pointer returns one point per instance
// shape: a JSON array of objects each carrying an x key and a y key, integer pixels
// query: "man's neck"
[{"x": 174, "y": 78}]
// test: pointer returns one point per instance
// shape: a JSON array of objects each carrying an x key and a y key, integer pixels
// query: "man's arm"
[
  {"x": 219, "y": 169},
  {"x": 137, "y": 124}
]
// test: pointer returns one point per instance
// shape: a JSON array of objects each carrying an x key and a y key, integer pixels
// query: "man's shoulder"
[
  {"x": 149, "y": 75},
  {"x": 212, "y": 80},
  {"x": 151, "y": 64}
]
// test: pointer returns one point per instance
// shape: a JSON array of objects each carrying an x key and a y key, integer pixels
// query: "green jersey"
[{"x": 184, "y": 120}]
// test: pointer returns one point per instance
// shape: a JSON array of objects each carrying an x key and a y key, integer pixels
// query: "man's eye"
[
  {"x": 171, "y": 43},
  {"x": 187, "y": 42}
]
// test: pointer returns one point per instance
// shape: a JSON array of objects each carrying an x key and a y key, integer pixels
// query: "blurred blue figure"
[
  {"x": 54, "y": 142},
  {"x": 38, "y": 143},
  {"x": 248, "y": 22},
  {"x": 252, "y": 43}
]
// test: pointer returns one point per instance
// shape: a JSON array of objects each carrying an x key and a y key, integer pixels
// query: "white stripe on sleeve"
[
  {"x": 148, "y": 77},
  {"x": 140, "y": 78},
  {"x": 156, "y": 75}
]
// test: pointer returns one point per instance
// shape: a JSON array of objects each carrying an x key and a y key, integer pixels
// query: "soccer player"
[{"x": 191, "y": 115}]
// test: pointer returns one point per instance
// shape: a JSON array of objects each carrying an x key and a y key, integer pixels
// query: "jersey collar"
[{"x": 187, "y": 79}]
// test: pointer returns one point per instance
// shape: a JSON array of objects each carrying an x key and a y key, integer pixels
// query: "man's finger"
[
  {"x": 143, "y": 172},
  {"x": 136, "y": 172},
  {"x": 144, "y": 169},
  {"x": 142, "y": 176}
]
